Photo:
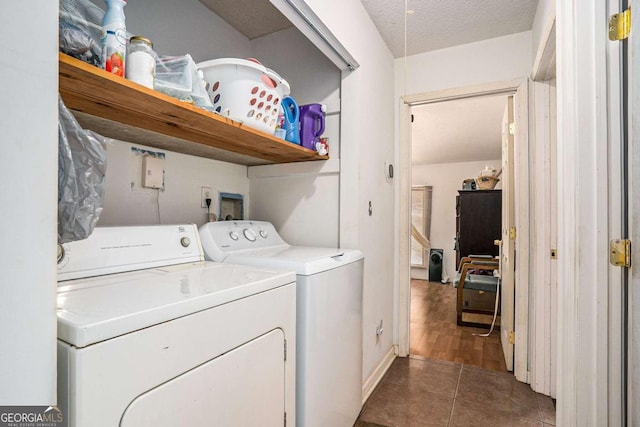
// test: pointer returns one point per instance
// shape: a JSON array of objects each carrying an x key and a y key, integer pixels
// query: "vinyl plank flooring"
[{"x": 435, "y": 334}]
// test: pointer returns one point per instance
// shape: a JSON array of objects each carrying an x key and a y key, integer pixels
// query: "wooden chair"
[{"x": 466, "y": 279}]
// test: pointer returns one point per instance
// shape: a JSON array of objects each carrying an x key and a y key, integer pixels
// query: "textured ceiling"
[
  {"x": 253, "y": 18},
  {"x": 434, "y": 24},
  {"x": 437, "y": 24},
  {"x": 462, "y": 130}
]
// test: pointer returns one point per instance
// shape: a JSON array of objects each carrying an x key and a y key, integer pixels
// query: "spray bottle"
[{"x": 114, "y": 37}]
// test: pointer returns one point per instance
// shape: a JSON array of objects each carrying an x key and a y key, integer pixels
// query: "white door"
[
  {"x": 507, "y": 249},
  {"x": 243, "y": 387}
]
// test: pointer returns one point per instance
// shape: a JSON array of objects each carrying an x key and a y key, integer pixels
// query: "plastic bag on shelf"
[
  {"x": 177, "y": 76},
  {"x": 82, "y": 164},
  {"x": 80, "y": 32}
]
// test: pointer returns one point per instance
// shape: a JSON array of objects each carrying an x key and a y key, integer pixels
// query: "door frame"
[
  {"x": 588, "y": 121},
  {"x": 543, "y": 264},
  {"x": 404, "y": 214},
  {"x": 634, "y": 294},
  {"x": 507, "y": 240}
]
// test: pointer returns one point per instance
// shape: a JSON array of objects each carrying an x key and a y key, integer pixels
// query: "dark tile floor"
[{"x": 423, "y": 392}]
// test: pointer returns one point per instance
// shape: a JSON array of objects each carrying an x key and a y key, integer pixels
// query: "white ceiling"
[
  {"x": 253, "y": 18},
  {"x": 437, "y": 24},
  {"x": 458, "y": 131}
]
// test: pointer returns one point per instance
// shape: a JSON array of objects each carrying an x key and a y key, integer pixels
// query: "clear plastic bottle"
[{"x": 114, "y": 37}]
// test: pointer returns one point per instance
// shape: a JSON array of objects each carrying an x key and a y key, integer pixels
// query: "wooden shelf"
[{"x": 120, "y": 109}]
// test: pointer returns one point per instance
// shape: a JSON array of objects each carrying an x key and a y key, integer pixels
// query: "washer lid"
[
  {"x": 99, "y": 308},
  {"x": 305, "y": 261}
]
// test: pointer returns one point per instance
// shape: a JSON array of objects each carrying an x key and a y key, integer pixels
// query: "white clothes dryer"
[
  {"x": 151, "y": 334},
  {"x": 329, "y": 314}
]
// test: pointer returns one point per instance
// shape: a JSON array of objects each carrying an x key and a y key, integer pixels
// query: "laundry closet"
[{"x": 300, "y": 199}]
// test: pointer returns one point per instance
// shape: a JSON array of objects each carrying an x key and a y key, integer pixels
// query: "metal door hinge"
[
  {"x": 285, "y": 419},
  {"x": 285, "y": 350},
  {"x": 512, "y": 233},
  {"x": 512, "y": 128},
  {"x": 554, "y": 254},
  {"x": 620, "y": 252},
  {"x": 620, "y": 25},
  {"x": 512, "y": 337}
]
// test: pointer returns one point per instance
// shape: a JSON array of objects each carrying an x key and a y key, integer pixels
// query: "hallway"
[{"x": 452, "y": 378}]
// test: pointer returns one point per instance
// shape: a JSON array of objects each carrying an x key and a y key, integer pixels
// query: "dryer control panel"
[
  {"x": 112, "y": 250},
  {"x": 219, "y": 239}
]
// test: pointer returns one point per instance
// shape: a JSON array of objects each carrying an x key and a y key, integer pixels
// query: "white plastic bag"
[
  {"x": 82, "y": 164},
  {"x": 80, "y": 32}
]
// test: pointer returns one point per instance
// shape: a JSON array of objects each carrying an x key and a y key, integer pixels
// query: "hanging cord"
[
  {"x": 495, "y": 312},
  {"x": 158, "y": 207},
  {"x": 406, "y": 14},
  {"x": 209, "y": 217}
]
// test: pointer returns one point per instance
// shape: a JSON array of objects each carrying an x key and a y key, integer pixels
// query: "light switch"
[{"x": 152, "y": 172}]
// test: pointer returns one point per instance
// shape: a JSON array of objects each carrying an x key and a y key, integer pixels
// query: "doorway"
[
  {"x": 518, "y": 88},
  {"x": 453, "y": 142}
]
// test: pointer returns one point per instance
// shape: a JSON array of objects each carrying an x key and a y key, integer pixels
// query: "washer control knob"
[
  {"x": 264, "y": 234},
  {"x": 233, "y": 235},
  {"x": 249, "y": 234},
  {"x": 185, "y": 242}
]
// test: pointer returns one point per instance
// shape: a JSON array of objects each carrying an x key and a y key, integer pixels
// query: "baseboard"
[
  {"x": 377, "y": 374},
  {"x": 420, "y": 273}
]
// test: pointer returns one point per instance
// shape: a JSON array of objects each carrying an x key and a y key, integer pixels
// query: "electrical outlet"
[{"x": 205, "y": 193}]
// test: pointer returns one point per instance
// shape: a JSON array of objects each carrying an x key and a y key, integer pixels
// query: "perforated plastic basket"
[{"x": 245, "y": 90}]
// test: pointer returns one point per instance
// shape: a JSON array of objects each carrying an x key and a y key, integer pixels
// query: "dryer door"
[{"x": 244, "y": 387}]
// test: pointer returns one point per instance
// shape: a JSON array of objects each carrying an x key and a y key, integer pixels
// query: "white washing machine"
[
  {"x": 150, "y": 334},
  {"x": 329, "y": 314}
]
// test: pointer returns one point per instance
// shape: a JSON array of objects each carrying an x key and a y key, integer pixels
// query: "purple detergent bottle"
[{"x": 311, "y": 124}]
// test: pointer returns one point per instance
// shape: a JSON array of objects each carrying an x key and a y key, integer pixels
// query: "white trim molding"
[
  {"x": 543, "y": 278},
  {"x": 378, "y": 373},
  {"x": 404, "y": 209}
]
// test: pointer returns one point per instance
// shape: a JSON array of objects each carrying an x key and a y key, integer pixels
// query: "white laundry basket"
[{"x": 245, "y": 90}]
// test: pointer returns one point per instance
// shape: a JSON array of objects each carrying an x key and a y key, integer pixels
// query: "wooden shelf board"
[{"x": 121, "y": 109}]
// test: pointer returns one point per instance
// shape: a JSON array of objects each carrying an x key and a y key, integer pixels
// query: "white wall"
[
  {"x": 313, "y": 77},
  {"x": 28, "y": 168},
  {"x": 543, "y": 23},
  {"x": 186, "y": 26},
  {"x": 446, "y": 179},
  {"x": 302, "y": 200},
  {"x": 128, "y": 203},
  {"x": 502, "y": 58},
  {"x": 303, "y": 206},
  {"x": 366, "y": 144}
]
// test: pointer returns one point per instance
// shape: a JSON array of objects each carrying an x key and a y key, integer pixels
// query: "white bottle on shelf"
[{"x": 114, "y": 38}]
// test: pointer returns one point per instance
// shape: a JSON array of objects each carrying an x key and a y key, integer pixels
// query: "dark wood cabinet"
[{"x": 478, "y": 222}]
